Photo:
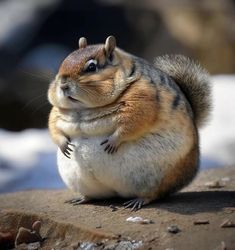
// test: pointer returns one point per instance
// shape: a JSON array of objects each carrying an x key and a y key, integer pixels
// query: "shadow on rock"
[
  {"x": 182, "y": 203},
  {"x": 197, "y": 202}
]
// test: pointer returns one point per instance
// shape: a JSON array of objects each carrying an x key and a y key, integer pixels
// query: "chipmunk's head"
[{"x": 92, "y": 76}]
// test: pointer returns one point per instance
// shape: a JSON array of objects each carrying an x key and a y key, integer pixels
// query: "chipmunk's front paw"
[
  {"x": 110, "y": 145},
  {"x": 67, "y": 148}
]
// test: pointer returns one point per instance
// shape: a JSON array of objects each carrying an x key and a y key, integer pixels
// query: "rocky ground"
[{"x": 202, "y": 216}]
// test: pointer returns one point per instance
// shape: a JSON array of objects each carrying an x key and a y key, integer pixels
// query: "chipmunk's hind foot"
[
  {"x": 77, "y": 201},
  {"x": 136, "y": 203}
]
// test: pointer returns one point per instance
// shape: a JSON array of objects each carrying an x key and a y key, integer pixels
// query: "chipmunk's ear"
[
  {"x": 110, "y": 45},
  {"x": 82, "y": 43}
]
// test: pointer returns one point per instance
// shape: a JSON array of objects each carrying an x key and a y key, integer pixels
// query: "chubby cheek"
[
  {"x": 56, "y": 97},
  {"x": 100, "y": 83},
  {"x": 104, "y": 88},
  {"x": 51, "y": 94}
]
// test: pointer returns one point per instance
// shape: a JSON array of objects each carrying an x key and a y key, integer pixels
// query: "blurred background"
[{"x": 36, "y": 35}]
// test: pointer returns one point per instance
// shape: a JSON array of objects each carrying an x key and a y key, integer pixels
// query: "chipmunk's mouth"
[{"x": 73, "y": 99}]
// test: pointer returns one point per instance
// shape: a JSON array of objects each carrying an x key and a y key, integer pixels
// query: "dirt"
[{"x": 197, "y": 212}]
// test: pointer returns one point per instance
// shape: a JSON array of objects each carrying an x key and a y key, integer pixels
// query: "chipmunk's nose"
[
  {"x": 63, "y": 83},
  {"x": 64, "y": 86}
]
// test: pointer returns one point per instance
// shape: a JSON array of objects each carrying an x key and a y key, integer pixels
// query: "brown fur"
[
  {"x": 129, "y": 102},
  {"x": 134, "y": 121},
  {"x": 183, "y": 173},
  {"x": 100, "y": 86},
  {"x": 74, "y": 63},
  {"x": 193, "y": 81},
  {"x": 57, "y": 135}
]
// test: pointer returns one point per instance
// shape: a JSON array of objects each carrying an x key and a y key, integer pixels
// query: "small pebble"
[
  {"x": 34, "y": 246},
  {"x": 201, "y": 222},
  {"x": 173, "y": 229},
  {"x": 87, "y": 246},
  {"x": 37, "y": 226},
  {"x": 214, "y": 184},
  {"x": 26, "y": 235},
  {"x": 29, "y": 246},
  {"x": 227, "y": 223},
  {"x": 139, "y": 220},
  {"x": 223, "y": 246},
  {"x": 128, "y": 245},
  {"x": 75, "y": 245}
]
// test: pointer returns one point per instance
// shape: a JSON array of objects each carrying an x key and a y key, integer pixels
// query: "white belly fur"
[{"x": 134, "y": 170}]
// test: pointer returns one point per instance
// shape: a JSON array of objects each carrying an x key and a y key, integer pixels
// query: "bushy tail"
[{"x": 193, "y": 81}]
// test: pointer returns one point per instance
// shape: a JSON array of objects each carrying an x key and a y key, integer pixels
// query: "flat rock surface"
[{"x": 207, "y": 202}]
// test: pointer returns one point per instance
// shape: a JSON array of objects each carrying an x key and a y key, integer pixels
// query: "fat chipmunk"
[{"x": 126, "y": 127}]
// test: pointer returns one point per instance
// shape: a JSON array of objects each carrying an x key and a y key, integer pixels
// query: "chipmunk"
[{"x": 126, "y": 127}]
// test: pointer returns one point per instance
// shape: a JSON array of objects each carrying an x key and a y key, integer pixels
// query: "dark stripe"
[
  {"x": 133, "y": 68},
  {"x": 158, "y": 97},
  {"x": 176, "y": 101},
  {"x": 152, "y": 81},
  {"x": 162, "y": 79},
  {"x": 173, "y": 85}
]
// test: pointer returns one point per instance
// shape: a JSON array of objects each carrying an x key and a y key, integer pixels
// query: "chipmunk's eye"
[{"x": 91, "y": 66}]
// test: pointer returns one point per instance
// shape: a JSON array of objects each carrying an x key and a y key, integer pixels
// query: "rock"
[
  {"x": 125, "y": 245},
  {"x": 37, "y": 226},
  {"x": 63, "y": 225},
  {"x": 201, "y": 222},
  {"x": 87, "y": 246},
  {"x": 7, "y": 239},
  {"x": 173, "y": 229},
  {"x": 139, "y": 220},
  {"x": 30, "y": 246},
  {"x": 227, "y": 223},
  {"x": 214, "y": 184},
  {"x": 223, "y": 245},
  {"x": 25, "y": 235}
]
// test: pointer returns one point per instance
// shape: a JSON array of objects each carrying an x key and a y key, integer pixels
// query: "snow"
[
  {"x": 27, "y": 161},
  {"x": 218, "y": 137},
  {"x": 28, "y": 158}
]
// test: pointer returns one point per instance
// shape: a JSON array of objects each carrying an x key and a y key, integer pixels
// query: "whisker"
[
  {"x": 95, "y": 82},
  {"x": 32, "y": 100},
  {"x": 42, "y": 76},
  {"x": 88, "y": 92},
  {"x": 39, "y": 107}
]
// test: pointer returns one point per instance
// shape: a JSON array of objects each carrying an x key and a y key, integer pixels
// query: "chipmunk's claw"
[
  {"x": 103, "y": 142},
  {"x": 110, "y": 145},
  {"x": 66, "y": 148},
  {"x": 77, "y": 201},
  {"x": 134, "y": 204}
]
